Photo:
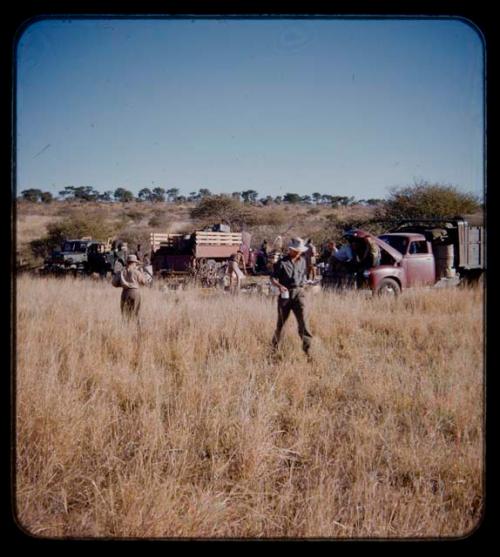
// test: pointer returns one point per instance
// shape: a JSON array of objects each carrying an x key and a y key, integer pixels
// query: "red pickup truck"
[{"x": 426, "y": 253}]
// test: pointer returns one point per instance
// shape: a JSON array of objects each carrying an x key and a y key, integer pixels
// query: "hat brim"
[{"x": 297, "y": 249}]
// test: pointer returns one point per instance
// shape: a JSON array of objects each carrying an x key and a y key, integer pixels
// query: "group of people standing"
[
  {"x": 346, "y": 263},
  {"x": 289, "y": 275}
]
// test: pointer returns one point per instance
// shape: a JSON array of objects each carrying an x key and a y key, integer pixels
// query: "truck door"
[{"x": 419, "y": 264}]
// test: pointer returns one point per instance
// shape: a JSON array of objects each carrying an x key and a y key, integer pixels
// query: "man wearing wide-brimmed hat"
[
  {"x": 289, "y": 276},
  {"x": 131, "y": 278}
]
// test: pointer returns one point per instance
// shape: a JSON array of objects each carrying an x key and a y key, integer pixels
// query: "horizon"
[{"x": 339, "y": 107}]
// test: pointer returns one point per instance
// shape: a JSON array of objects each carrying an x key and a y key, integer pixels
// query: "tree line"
[
  {"x": 417, "y": 200},
  {"x": 172, "y": 195}
]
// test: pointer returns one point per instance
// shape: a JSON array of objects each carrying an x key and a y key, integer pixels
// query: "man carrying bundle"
[{"x": 130, "y": 279}]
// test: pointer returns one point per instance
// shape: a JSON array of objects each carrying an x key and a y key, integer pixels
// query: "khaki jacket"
[{"x": 132, "y": 278}]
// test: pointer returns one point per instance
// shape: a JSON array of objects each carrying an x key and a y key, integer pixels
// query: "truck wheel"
[{"x": 388, "y": 287}]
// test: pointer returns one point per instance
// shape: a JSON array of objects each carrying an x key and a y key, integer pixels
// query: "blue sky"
[{"x": 344, "y": 107}]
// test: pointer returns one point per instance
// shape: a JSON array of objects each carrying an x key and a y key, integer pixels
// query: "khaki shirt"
[
  {"x": 289, "y": 274},
  {"x": 373, "y": 248},
  {"x": 132, "y": 278}
]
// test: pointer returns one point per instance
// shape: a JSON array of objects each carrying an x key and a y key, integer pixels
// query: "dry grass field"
[{"x": 185, "y": 428}]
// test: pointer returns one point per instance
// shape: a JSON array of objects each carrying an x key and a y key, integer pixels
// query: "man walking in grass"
[{"x": 289, "y": 276}]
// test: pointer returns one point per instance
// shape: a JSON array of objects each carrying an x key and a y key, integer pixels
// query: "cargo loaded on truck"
[
  {"x": 180, "y": 253},
  {"x": 428, "y": 252}
]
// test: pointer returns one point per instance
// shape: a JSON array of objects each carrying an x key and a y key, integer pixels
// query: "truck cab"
[
  {"x": 79, "y": 256},
  {"x": 418, "y": 261},
  {"x": 72, "y": 252}
]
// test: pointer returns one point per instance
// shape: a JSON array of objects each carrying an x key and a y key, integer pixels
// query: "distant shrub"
[
  {"x": 313, "y": 211},
  {"x": 158, "y": 220},
  {"x": 28, "y": 258},
  {"x": 424, "y": 200},
  {"x": 266, "y": 216},
  {"x": 135, "y": 216},
  {"x": 46, "y": 197},
  {"x": 218, "y": 208},
  {"x": 135, "y": 236}
]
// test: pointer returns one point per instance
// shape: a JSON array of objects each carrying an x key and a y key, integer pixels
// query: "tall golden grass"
[{"x": 184, "y": 427}]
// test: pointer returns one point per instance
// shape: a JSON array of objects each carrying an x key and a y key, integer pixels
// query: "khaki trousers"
[
  {"x": 295, "y": 304},
  {"x": 130, "y": 302}
]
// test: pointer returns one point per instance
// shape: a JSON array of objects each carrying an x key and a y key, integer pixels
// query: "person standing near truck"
[
  {"x": 368, "y": 253},
  {"x": 289, "y": 276},
  {"x": 327, "y": 251},
  {"x": 139, "y": 253},
  {"x": 310, "y": 256},
  {"x": 130, "y": 279},
  {"x": 120, "y": 257},
  {"x": 236, "y": 271}
]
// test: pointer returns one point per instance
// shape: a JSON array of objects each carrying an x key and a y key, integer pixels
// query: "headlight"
[{"x": 366, "y": 274}]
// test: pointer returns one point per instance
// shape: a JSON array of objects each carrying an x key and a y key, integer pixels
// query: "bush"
[
  {"x": 313, "y": 211},
  {"x": 135, "y": 236},
  {"x": 216, "y": 208},
  {"x": 424, "y": 200},
  {"x": 159, "y": 220},
  {"x": 135, "y": 216},
  {"x": 338, "y": 225},
  {"x": 265, "y": 216}
]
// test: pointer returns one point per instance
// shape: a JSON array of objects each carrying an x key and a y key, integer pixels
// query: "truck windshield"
[
  {"x": 397, "y": 242},
  {"x": 74, "y": 246}
]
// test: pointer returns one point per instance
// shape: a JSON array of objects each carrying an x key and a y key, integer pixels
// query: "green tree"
[
  {"x": 123, "y": 195},
  {"x": 79, "y": 193},
  {"x": 68, "y": 192},
  {"x": 345, "y": 201},
  {"x": 426, "y": 200},
  {"x": 316, "y": 197},
  {"x": 204, "y": 192},
  {"x": 145, "y": 195},
  {"x": 32, "y": 194},
  {"x": 336, "y": 200},
  {"x": 158, "y": 195},
  {"x": 249, "y": 196},
  {"x": 292, "y": 198},
  {"x": 219, "y": 207},
  {"x": 172, "y": 194},
  {"x": 106, "y": 196},
  {"x": 46, "y": 197},
  {"x": 85, "y": 193}
]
